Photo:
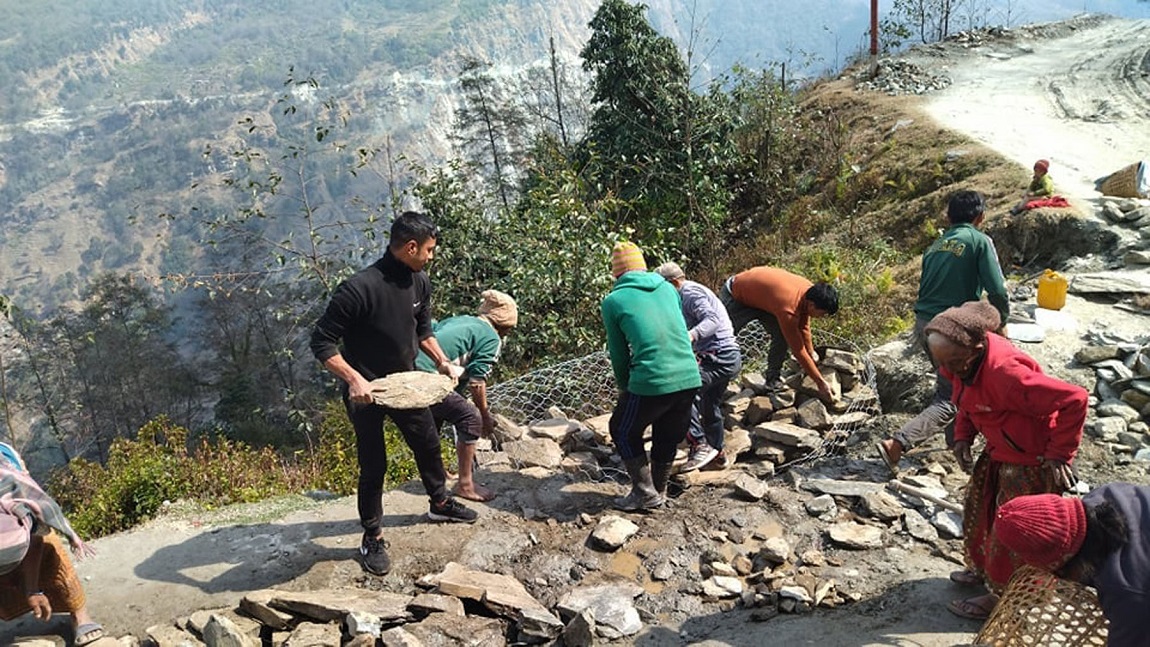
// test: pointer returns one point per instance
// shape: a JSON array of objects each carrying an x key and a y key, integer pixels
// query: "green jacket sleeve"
[
  {"x": 616, "y": 345},
  {"x": 484, "y": 354},
  {"x": 990, "y": 276}
]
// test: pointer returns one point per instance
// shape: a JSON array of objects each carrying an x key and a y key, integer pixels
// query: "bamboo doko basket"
[{"x": 1038, "y": 608}]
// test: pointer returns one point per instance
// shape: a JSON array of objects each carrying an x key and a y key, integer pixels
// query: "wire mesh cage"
[
  {"x": 585, "y": 387},
  {"x": 1039, "y": 608}
]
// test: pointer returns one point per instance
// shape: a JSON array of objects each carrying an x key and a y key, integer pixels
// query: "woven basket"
[
  {"x": 1038, "y": 608},
  {"x": 1123, "y": 183}
]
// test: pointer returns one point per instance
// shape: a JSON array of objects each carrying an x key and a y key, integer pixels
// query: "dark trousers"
[
  {"x": 420, "y": 434},
  {"x": 463, "y": 416},
  {"x": 668, "y": 416},
  {"x": 717, "y": 370},
  {"x": 742, "y": 315},
  {"x": 940, "y": 413}
]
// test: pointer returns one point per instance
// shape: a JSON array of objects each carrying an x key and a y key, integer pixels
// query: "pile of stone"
[
  {"x": 1132, "y": 214},
  {"x": 1120, "y": 416},
  {"x": 766, "y": 426},
  {"x": 897, "y": 77},
  {"x": 457, "y": 606}
]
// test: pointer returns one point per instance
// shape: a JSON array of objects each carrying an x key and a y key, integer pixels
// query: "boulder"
[
  {"x": 313, "y": 634},
  {"x": 949, "y": 524},
  {"x": 759, "y": 410},
  {"x": 856, "y": 535},
  {"x": 1119, "y": 409},
  {"x": 428, "y": 603},
  {"x": 359, "y": 623},
  {"x": 611, "y": 605},
  {"x": 881, "y": 505},
  {"x": 399, "y": 637},
  {"x": 789, "y": 435},
  {"x": 257, "y": 605},
  {"x": 919, "y": 527},
  {"x": 580, "y": 630},
  {"x": 221, "y": 631},
  {"x": 1110, "y": 283},
  {"x": 807, "y": 386},
  {"x": 505, "y": 430},
  {"x": 775, "y": 550},
  {"x": 722, "y": 586},
  {"x": 813, "y": 414},
  {"x": 168, "y": 635},
  {"x": 822, "y": 506},
  {"x": 502, "y": 594},
  {"x": 554, "y": 429},
  {"x": 749, "y": 487},
  {"x": 442, "y": 629},
  {"x": 331, "y": 605},
  {"x": 534, "y": 452}
]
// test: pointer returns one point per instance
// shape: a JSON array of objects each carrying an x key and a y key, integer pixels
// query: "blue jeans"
[{"x": 716, "y": 370}]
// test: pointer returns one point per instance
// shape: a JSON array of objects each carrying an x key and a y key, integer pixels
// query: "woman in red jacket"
[{"x": 1032, "y": 424}]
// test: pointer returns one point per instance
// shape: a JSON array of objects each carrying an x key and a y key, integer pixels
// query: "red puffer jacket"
[{"x": 1022, "y": 412}]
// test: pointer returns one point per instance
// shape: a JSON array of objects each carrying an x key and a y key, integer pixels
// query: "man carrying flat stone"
[
  {"x": 474, "y": 344},
  {"x": 958, "y": 267},
  {"x": 713, "y": 340},
  {"x": 382, "y": 314}
]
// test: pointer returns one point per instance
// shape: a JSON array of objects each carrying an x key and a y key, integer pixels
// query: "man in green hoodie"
[{"x": 655, "y": 370}]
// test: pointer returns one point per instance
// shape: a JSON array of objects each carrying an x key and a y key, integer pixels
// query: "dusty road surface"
[
  {"x": 1076, "y": 95},
  {"x": 1079, "y": 97}
]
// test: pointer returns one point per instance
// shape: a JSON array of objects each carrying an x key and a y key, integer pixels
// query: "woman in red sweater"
[{"x": 1032, "y": 424}]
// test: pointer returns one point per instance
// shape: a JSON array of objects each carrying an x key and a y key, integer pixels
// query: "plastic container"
[{"x": 1052, "y": 290}]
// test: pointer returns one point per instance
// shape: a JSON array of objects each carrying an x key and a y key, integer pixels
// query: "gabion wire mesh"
[{"x": 585, "y": 387}]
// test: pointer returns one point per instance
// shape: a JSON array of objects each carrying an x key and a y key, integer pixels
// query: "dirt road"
[{"x": 1081, "y": 99}]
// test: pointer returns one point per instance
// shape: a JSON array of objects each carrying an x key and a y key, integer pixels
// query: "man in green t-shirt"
[
  {"x": 474, "y": 344},
  {"x": 958, "y": 267}
]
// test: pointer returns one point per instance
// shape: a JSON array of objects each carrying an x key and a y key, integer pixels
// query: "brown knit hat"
[
  {"x": 626, "y": 257},
  {"x": 967, "y": 324},
  {"x": 498, "y": 308}
]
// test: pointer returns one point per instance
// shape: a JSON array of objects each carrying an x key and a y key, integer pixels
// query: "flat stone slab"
[
  {"x": 856, "y": 535},
  {"x": 442, "y": 629},
  {"x": 842, "y": 488},
  {"x": 787, "y": 434},
  {"x": 534, "y": 452},
  {"x": 329, "y": 605},
  {"x": 1110, "y": 283},
  {"x": 502, "y": 594},
  {"x": 612, "y": 532},
  {"x": 411, "y": 389}
]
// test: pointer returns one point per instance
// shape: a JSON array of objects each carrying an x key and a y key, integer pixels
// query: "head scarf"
[
  {"x": 498, "y": 308},
  {"x": 25, "y": 508}
]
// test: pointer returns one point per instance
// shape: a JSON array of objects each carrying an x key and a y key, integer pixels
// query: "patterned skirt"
[
  {"x": 992, "y": 484},
  {"x": 58, "y": 581}
]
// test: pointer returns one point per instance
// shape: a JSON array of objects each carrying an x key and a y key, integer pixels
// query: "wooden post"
[{"x": 873, "y": 38}]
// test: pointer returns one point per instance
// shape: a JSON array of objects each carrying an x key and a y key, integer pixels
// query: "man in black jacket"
[{"x": 383, "y": 316}]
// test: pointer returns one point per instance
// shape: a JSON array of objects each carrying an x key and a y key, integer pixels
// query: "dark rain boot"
[
  {"x": 660, "y": 475},
  {"x": 643, "y": 495}
]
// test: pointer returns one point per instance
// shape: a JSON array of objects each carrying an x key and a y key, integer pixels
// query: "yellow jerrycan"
[{"x": 1051, "y": 290}]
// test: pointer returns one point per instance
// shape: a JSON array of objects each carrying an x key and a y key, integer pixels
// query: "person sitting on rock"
[
  {"x": 655, "y": 372},
  {"x": 958, "y": 267},
  {"x": 1032, "y": 424},
  {"x": 713, "y": 339},
  {"x": 474, "y": 344},
  {"x": 1101, "y": 540},
  {"x": 1041, "y": 186},
  {"x": 35, "y": 572},
  {"x": 784, "y": 304}
]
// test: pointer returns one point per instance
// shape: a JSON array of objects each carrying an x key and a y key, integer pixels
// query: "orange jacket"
[{"x": 781, "y": 293}]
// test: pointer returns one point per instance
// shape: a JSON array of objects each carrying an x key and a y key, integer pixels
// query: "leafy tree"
[{"x": 489, "y": 129}]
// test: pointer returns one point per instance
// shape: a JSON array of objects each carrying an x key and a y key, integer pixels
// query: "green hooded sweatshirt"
[{"x": 647, "y": 337}]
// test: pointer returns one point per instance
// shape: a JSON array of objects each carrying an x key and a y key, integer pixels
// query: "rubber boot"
[
  {"x": 643, "y": 495},
  {"x": 660, "y": 475}
]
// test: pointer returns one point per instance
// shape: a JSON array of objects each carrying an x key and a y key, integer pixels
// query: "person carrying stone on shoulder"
[
  {"x": 784, "y": 303},
  {"x": 36, "y": 574},
  {"x": 713, "y": 340},
  {"x": 382, "y": 315},
  {"x": 959, "y": 267},
  {"x": 655, "y": 372},
  {"x": 472, "y": 343}
]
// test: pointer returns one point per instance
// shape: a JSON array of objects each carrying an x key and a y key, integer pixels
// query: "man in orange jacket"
[{"x": 784, "y": 304}]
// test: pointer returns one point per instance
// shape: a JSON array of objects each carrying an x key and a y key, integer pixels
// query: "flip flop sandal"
[
  {"x": 891, "y": 464},
  {"x": 969, "y": 610},
  {"x": 965, "y": 578},
  {"x": 88, "y": 633}
]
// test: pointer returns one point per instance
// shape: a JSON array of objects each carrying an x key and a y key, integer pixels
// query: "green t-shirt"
[
  {"x": 1043, "y": 186},
  {"x": 468, "y": 341},
  {"x": 647, "y": 336},
  {"x": 959, "y": 267}
]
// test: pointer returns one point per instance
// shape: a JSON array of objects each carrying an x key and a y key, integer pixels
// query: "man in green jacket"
[
  {"x": 958, "y": 267},
  {"x": 655, "y": 370},
  {"x": 472, "y": 343}
]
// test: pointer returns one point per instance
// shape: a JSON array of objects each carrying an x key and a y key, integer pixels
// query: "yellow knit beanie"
[{"x": 626, "y": 257}]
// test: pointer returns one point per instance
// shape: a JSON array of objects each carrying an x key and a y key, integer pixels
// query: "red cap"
[
  {"x": 1045, "y": 530},
  {"x": 1043, "y": 165}
]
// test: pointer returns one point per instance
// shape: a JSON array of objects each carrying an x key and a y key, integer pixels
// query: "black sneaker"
[
  {"x": 373, "y": 551},
  {"x": 451, "y": 510}
]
